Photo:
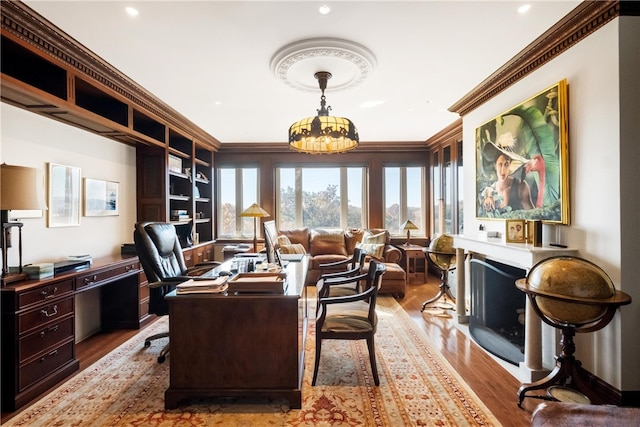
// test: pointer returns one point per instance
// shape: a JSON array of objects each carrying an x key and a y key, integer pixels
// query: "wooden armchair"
[
  {"x": 341, "y": 283},
  {"x": 351, "y": 317}
]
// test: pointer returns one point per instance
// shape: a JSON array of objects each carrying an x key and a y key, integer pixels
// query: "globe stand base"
[
  {"x": 565, "y": 372},
  {"x": 445, "y": 291}
]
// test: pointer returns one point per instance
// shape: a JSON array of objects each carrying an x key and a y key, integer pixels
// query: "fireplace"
[{"x": 497, "y": 315}]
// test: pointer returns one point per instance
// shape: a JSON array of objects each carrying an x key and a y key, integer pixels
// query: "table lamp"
[
  {"x": 256, "y": 212},
  {"x": 21, "y": 188},
  {"x": 408, "y": 225}
]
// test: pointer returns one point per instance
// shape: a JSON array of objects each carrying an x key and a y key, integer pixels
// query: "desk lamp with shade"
[
  {"x": 21, "y": 188},
  {"x": 408, "y": 225},
  {"x": 255, "y": 211}
]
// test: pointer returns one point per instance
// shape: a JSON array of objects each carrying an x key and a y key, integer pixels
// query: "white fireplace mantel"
[{"x": 521, "y": 255}]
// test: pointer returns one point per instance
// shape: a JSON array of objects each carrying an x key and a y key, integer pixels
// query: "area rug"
[{"x": 417, "y": 388}]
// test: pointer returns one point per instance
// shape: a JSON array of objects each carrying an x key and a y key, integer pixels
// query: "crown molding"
[
  {"x": 32, "y": 29},
  {"x": 582, "y": 21},
  {"x": 363, "y": 147}
]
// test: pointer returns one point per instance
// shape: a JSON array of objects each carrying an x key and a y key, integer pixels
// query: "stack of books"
[{"x": 211, "y": 286}]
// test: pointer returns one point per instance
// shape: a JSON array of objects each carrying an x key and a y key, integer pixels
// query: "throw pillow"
[
  {"x": 294, "y": 248},
  {"x": 374, "y": 250},
  {"x": 368, "y": 237},
  {"x": 283, "y": 240}
]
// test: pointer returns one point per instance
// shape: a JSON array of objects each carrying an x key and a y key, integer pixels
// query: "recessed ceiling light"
[
  {"x": 371, "y": 104},
  {"x": 324, "y": 9},
  {"x": 132, "y": 11},
  {"x": 524, "y": 9}
]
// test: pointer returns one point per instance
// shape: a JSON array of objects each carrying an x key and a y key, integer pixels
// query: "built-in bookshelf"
[{"x": 47, "y": 72}]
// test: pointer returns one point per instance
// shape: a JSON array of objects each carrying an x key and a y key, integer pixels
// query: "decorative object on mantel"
[
  {"x": 573, "y": 295},
  {"x": 522, "y": 160},
  {"x": 21, "y": 189},
  {"x": 443, "y": 255},
  {"x": 255, "y": 212},
  {"x": 408, "y": 225},
  {"x": 323, "y": 134}
]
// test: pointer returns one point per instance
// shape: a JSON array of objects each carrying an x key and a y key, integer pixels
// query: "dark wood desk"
[
  {"x": 239, "y": 345},
  {"x": 38, "y": 322}
]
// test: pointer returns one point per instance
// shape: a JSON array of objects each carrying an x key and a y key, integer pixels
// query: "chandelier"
[{"x": 323, "y": 134}]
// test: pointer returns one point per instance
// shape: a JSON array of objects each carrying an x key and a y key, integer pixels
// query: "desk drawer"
[
  {"x": 45, "y": 338},
  {"x": 44, "y": 365},
  {"x": 91, "y": 279},
  {"x": 45, "y": 314},
  {"x": 44, "y": 293}
]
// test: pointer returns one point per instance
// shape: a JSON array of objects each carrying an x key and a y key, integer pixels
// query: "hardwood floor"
[{"x": 489, "y": 380}]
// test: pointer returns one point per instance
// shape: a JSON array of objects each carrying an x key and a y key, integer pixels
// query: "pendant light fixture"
[{"x": 323, "y": 134}]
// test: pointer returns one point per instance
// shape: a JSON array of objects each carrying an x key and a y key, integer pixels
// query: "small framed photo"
[
  {"x": 515, "y": 231},
  {"x": 100, "y": 197}
]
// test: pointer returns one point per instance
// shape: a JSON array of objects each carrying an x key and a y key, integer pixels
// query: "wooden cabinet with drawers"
[
  {"x": 38, "y": 323},
  {"x": 37, "y": 340}
]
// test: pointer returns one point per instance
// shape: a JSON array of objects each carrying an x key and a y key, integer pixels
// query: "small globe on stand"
[
  {"x": 573, "y": 295},
  {"x": 441, "y": 252},
  {"x": 443, "y": 255}
]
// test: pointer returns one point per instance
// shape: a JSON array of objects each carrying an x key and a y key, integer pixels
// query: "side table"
[{"x": 414, "y": 259}]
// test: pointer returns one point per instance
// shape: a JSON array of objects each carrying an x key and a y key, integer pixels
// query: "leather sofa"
[{"x": 330, "y": 245}]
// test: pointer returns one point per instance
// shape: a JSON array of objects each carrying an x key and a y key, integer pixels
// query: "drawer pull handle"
[
  {"x": 51, "y": 329},
  {"x": 53, "y": 353},
  {"x": 88, "y": 280},
  {"x": 49, "y": 293},
  {"x": 46, "y": 312}
]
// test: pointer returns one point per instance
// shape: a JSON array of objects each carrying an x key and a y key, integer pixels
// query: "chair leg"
[
  {"x": 372, "y": 360},
  {"x": 165, "y": 350},
  {"x": 163, "y": 354},
  {"x": 317, "y": 362}
]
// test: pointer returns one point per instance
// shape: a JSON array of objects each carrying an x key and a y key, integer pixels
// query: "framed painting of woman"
[{"x": 522, "y": 160}]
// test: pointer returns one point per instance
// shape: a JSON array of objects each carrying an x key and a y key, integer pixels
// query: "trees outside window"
[
  {"x": 403, "y": 199},
  {"x": 331, "y": 197},
  {"x": 237, "y": 190}
]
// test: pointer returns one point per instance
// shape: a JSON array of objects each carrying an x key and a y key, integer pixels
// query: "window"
[
  {"x": 403, "y": 190},
  {"x": 331, "y": 197},
  {"x": 237, "y": 190}
]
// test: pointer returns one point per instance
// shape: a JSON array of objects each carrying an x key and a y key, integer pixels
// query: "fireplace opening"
[{"x": 497, "y": 309}]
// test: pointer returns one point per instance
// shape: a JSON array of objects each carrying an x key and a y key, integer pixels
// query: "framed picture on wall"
[
  {"x": 522, "y": 160},
  {"x": 63, "y": 196},
  {"x": 100, "y": 197}
]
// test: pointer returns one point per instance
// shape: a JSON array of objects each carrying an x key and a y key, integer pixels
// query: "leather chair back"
[{"x": 160, "y": 254}]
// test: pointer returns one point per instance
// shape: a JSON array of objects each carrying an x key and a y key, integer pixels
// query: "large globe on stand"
[
  {"x": 574, "y": 279},
  {"x": 442, "y": 252}
]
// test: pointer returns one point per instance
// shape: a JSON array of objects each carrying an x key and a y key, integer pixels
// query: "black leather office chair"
[{"x": 160, "y": 254}]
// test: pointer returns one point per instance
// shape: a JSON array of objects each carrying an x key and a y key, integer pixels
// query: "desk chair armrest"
[{"x": 332, "y": 265}]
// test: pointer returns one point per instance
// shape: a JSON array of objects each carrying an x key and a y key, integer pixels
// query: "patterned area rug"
[{"x": 417, "y": 388}]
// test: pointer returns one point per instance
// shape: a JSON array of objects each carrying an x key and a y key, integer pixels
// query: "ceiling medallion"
[{"x": 295, "y": 64}]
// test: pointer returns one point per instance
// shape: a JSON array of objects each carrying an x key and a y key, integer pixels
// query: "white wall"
[
  {"x": 593, "y": 75},
  {"x": 32, "y": 140}
]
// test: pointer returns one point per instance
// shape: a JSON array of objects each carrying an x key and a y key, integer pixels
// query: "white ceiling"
[{"x": 211, "y": 60}]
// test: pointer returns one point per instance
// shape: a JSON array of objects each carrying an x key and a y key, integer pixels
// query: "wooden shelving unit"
[{"x": 47, "y": 72}]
